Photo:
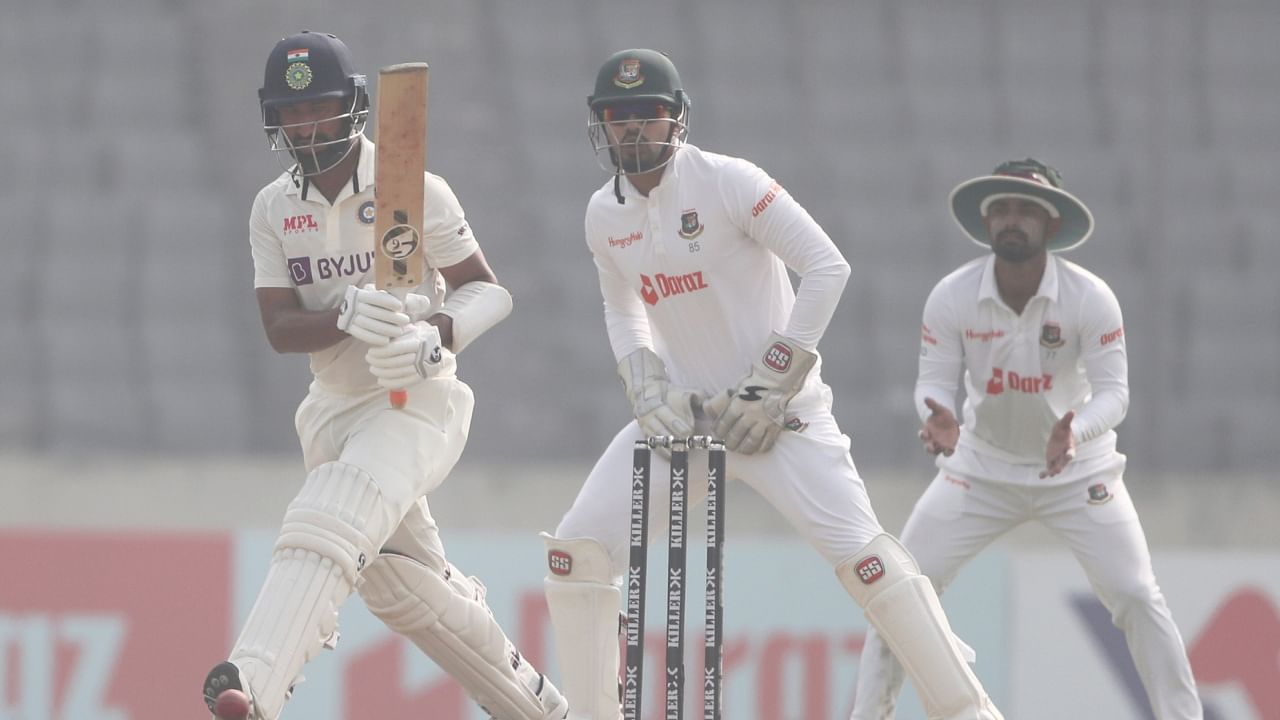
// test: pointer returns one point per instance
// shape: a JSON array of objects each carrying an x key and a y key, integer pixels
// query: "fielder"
[
  {"x": 1041, "y": 343},
  {"x": 361, "y": 521},
  {"x": 692, "y": 250}
]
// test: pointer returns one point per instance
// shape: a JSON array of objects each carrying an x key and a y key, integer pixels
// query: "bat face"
[
  {"x": 398, "y": 175},
  {"x": 398, "y": 183}
]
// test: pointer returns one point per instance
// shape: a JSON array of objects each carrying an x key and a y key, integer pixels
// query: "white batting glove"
[
  {"x": 659, "y": 408},
  {"x": 749, "y": 417},
  {"x": 371, "y": 316},
  {"x": 414, "y": 356}
]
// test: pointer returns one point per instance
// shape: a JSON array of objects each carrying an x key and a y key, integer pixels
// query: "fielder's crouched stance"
[
  {"x": 693, "y": 250},
  {"x": 361, "y": 521}
]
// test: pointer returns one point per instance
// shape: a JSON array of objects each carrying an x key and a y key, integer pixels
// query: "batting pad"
[
  {"x": 445, "y": 615},
  {"x": 584, "y": 605},
  {"x": 902, "y": 606},
  {"x": 330, "y": 529}
]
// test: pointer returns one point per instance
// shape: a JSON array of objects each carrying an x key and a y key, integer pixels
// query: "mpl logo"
[
  {"x": 299, "y": 224},
  {"x": 1235, "y": 652}
]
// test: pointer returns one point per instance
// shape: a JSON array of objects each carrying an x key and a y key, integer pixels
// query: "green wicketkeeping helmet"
[
  {"x": 630, "y": 77},
  {"x": 639, "y": 74}
]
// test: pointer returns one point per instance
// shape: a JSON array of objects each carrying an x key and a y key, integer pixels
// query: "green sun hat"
[{"x": 1030, "y": 179}]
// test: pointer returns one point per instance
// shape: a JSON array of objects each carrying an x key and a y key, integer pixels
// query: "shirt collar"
[
  {"x": 364, "y": 168},
  {"x": 1048, "y": 289},
  {"x": 361, "y": 179}
]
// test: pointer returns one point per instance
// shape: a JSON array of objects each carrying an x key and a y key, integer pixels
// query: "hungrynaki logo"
[
  {"x": 982, "y": 335},
  {"x": 1000, "y": 380},
  {"x": 626, "y": 240},
  {"x": 300, "y": 224},
  {"x": 661, "y": 286}
]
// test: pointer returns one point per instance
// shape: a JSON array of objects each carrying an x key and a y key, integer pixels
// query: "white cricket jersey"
[
  {"x": 300, "y": 241},
  {"x": 1066, "y": 351},
  {"x": 698, "y": 269}
]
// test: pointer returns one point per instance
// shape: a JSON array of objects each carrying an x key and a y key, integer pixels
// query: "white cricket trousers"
[
  {"x": 960, "y": 514},
  {"x": 808, "y": 477}
]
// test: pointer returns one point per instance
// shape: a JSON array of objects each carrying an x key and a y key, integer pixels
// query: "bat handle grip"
[{"x": 398, "y": 397}]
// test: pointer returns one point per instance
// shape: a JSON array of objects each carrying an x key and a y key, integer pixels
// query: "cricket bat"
[{"x": 399, "y": 164}]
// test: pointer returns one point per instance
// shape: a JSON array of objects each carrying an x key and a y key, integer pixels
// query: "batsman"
[{"x": 361, "y": 522}]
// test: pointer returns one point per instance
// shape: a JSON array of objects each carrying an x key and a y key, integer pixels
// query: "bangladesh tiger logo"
[
  {"x": 1051, "y": 335},
  {"x": 628, "y": 74},
  {"x": 690, "y": 228}
]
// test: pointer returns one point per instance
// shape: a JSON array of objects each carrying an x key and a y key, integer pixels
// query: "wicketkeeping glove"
[
  {"x": 371, "y": 316},
  {"x": 414, "y": 356},
  {"x": 659, "y": 408},
  {"x": 749, "y": 417}
]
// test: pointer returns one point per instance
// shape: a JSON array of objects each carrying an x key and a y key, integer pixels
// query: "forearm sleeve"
[
  {"x": 624, "y": 316},
  {"x": 816, "y": 299},
  {"x": 773, "y": 218},
  {"x": 1106, "y": 364},
  {"x": 941, "y": 355},
  {"x": 475, "y": 308},
  {"x": 1107, "y": 367}
]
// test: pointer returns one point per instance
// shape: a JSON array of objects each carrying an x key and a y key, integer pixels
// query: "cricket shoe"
[{"x": 225, "y": 695}]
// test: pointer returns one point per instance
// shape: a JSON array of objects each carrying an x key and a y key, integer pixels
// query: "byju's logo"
[{"x": 300, "y": 270}]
